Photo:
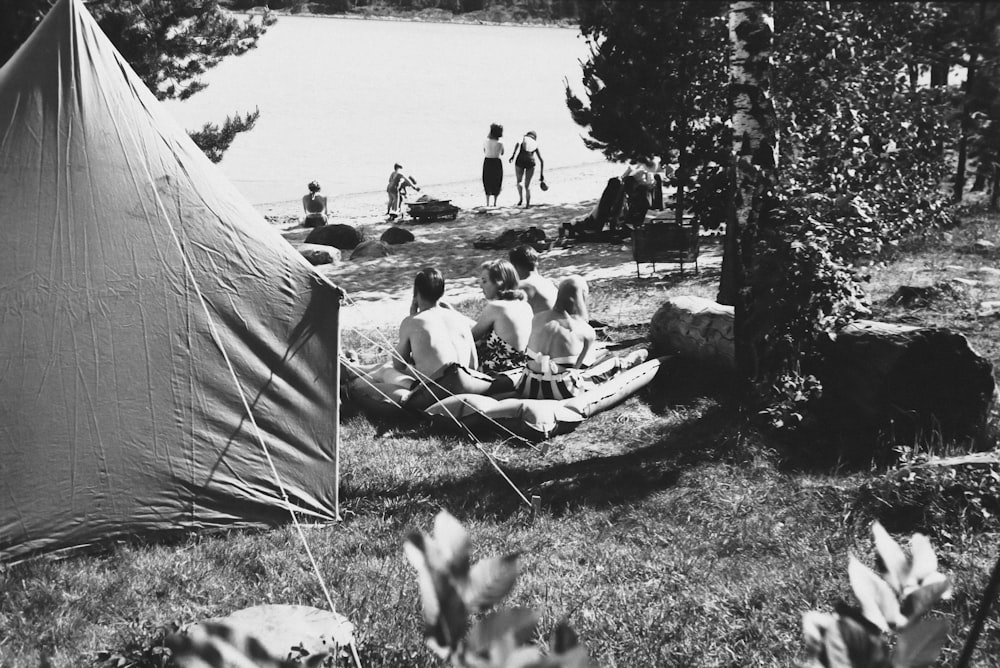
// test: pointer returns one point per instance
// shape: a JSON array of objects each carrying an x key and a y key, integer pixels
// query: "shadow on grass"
[{"x": 600, "y": 481}]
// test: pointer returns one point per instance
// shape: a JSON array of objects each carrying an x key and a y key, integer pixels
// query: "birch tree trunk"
[{"x": 752, "y": 169}]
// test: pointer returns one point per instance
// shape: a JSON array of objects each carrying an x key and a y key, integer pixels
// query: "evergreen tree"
[{"x": 169, "y": 43}]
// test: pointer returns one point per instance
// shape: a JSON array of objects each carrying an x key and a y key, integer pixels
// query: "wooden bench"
[{"x": 665, "y": 240}]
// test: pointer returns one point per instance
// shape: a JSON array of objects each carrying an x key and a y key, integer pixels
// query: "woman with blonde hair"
[{"x": 504, "y": 327}]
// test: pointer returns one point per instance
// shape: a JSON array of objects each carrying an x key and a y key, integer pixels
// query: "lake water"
[{"x": 341, "y": 100}]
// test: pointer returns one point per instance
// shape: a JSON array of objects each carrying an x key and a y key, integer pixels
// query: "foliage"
[
  {"x": 895, "y": 600},
  {"x": 214, "y": 140},
  {"x": 808, "y": 290},
  {"x": 145, "y": 648},
  {"x": 939, "y": 498},
  {"x": 451, "y": 588},
  {"x": 851, "y": 124},
  {"x": 496, "y": 10}
]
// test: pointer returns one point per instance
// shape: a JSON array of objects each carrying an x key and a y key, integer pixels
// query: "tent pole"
[{"x": 336, "y": 423}]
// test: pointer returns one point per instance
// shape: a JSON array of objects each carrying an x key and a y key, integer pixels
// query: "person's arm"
[
  {"x": 404, "y": 349},
  {"x": 517, "y": 147},
  {"x": 410, "y": 182},
  {"x": 305, "y": 208},
  {"x": 482, "y": 327},
  {"x": 325, "y": 212},
  {"x": 541, "y": 165},
  {"x": 588, "y": 341}
]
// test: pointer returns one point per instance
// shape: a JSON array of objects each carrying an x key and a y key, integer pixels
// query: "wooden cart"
[{"x": 430, "y": 211}]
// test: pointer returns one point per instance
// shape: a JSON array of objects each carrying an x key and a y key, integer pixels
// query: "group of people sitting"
[
  {"x": 623, "y": 204},
  {"x": 536, "y": 334}
]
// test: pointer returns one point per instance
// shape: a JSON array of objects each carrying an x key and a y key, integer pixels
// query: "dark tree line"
[{"x": 553, "y": 10}]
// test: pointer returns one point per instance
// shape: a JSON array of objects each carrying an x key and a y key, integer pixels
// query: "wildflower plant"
[
  {"x": 452, "y": 590},
  {"x": 894, "y": 601}
]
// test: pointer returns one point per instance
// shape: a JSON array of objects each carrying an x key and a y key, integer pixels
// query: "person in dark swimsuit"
[
  {"x": 314, "y": 206},
  {"x": 524, "y": 157}
]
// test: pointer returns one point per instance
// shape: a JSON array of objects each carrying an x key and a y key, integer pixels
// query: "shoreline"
[{"x": 414, "y": 18}]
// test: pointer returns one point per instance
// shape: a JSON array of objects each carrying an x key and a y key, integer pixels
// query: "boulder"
[
  {"x": 372, "y": 248},
  {"x": 317, "y": 254},
  {"x": 908, "y": 384},
  {"x": 694, "y": 327},
  {"x": 337, "y": 235},
  {"x": 397, "y": 235}
]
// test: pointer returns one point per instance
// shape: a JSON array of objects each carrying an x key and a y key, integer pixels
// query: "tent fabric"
[{"x": 130, "y": 269}]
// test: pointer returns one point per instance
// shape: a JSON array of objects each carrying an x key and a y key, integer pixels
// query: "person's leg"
[
  {"x": 519, "y": 174},
  {"x": 528, "y": 173}
]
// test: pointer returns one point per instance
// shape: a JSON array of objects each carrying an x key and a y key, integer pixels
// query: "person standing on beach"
[
  {"x": 492, "y": 164},
  {"x": 314, "y": 206},
  {"x": 396, "y": 189},
  {"x": 524, "y": 157}
]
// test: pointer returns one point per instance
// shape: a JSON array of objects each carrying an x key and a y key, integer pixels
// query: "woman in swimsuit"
[
  {"x": 492, "y": 164},
  {"x": 314, "y": 206},
  {"x": 504, "y": 327},
  {"x": 525, "y": 154}
]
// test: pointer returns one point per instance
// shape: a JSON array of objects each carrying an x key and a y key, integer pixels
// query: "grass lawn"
[{"x": 666, "y": 536}]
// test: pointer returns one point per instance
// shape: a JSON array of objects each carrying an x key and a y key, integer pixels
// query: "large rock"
[
  {"x": 694, "y": 327},
  {"x": 337, "y": 235},
  {"x": 371, "y": 248},
  {"x": 906, "y": 384},
  {"x": 317, "y": 254},
  {"x": 397, "y": 235}
]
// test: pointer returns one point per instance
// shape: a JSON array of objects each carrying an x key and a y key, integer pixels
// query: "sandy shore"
[{"x": 379, "y": 290}]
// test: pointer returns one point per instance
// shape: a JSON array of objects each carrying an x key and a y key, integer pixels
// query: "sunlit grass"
[{"x": 665, "y": 536}]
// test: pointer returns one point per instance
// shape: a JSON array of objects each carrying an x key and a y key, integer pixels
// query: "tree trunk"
[
  {"x": 963, "y": 139},
  {"x": 753, "y": 172}
]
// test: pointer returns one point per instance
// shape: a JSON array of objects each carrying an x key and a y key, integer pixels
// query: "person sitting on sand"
[
  {"x": 502, "y": 331},
  {"x": 396, "y": 189},
  {"x": 314, "y": 206},
  {"x": 562, "y": 358},
  {"x": 540, "y": 291},
  {"x": 430, "y": 338}
]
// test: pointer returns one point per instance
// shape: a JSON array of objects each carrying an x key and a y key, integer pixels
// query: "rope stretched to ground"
[
  {"x": 423, "y": 379},
  {"x": 203, "y": 302}
]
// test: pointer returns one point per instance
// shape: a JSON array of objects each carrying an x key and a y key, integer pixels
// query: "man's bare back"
[
  {"x": 562, "y": 337},
  {"x": 434, "y": 337},
  {"x": 540, "y": 291}
]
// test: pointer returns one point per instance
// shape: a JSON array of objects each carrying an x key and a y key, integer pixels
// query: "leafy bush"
[
  {"x": 934, "y": 497},
  {"x": 804, "y": 290}
]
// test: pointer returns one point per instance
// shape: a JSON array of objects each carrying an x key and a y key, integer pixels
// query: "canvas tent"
[{"x": 144, "y": 307}]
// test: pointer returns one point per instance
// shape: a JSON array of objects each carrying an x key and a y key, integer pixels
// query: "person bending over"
[
  {"x": 396, "y": 190},
  {"x": 540, "y": 291},
  {"x": 502, "y": 330},
  {"x": 431, "y": 337},
  {"x": 562, "y": 358}
]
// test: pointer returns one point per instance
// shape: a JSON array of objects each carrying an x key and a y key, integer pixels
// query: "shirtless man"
[
  {"x": 429, "y": 338},
  {"x": 541, "y": 292}
]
